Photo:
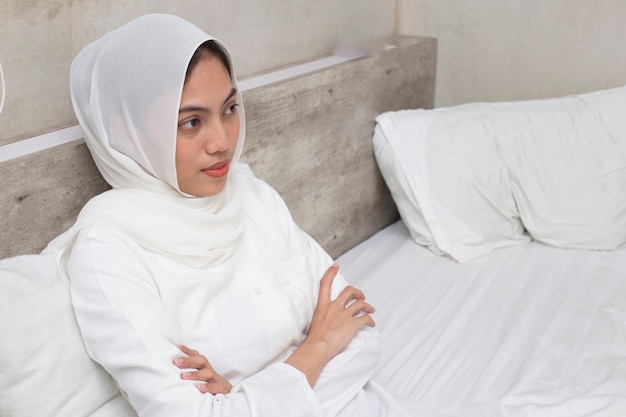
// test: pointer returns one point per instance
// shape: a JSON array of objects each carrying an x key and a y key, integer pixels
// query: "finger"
[
  {"x": 327, "y": 281},
  {"x": 215, "y": 388},
  {"x": 180, "y": 362},
  {"x": 366, "y": 320},
  {"x": 349, "y": 294},
  {"x": 187, "y": 350},
  {"x": 196, "y": 362},
  {"x": 359, "y": 307},
  {"x": 206, "y": 375}
]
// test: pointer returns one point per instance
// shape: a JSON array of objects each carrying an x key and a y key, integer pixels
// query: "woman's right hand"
[
  {"x": 214, "y": 383},
  {"x": 334, "y": 325}
]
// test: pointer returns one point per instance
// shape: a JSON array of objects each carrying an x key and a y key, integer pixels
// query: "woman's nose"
[{"x": 216, "y": 139}]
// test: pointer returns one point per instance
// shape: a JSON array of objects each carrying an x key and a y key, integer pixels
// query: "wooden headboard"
[{"x": 308, "y": 136}]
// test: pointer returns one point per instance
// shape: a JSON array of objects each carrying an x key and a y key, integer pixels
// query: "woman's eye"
[
  {"x": 232, "y": 109},
  {"x": 189, "y": 124}
]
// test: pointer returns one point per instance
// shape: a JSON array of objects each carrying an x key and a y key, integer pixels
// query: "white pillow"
[
  {"x": 567, "y": 159},
  {"x": 401, "y": 191},
  {"x": 44, "y": 368},
  {"x": 469, "y": 179},
  {"x": 444, "y": 173}
]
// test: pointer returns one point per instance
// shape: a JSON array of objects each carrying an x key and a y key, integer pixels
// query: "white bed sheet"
[{"x": 529, "y": 330}]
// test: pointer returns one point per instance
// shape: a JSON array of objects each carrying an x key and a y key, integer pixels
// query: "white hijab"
[{"x": 126, "y": 89}]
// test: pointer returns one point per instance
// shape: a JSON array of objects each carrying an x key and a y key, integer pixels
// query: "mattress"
[{"x": 529, "y": 330}]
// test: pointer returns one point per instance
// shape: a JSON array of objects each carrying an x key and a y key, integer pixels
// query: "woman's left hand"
[{"x": 214, "y": 382}]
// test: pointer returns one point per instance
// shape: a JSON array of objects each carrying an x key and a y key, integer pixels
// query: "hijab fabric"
[{"x": 126, "y": 89}]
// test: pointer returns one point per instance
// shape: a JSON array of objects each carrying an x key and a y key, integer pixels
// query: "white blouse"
[{"x": 246, "y": 316}]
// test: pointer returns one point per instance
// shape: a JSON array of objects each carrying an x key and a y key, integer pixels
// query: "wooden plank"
[
  {"x": 42, "y": 194},
  {"x": 309, "y": 137}
]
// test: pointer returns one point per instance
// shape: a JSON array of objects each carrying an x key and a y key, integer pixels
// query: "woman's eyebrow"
[
  {"x": 232, "y": 93},
  {"x": 193, "y": 108}
]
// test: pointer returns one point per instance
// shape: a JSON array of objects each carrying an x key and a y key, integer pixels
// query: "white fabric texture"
[
  {"x": 44, "y": 368},
  {"x": 473, "y": 178},
  {"x": 453, "y": 180},
  {"x": 530, "y": 330},
  {"x": 126, "y": 89},
  {"x": 567, "y": 161},
  {"x": 246, "y": 315}
]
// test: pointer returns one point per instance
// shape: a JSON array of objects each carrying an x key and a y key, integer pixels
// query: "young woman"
[{"x": 191, "y": 284}]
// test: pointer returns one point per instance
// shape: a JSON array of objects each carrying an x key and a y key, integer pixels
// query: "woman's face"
[{"x": 208, "y": 129}]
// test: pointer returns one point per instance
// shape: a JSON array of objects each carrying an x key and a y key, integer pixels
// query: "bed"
[
  {"x": 510, "y": 321},
  {"x": 529, "y": 330}
]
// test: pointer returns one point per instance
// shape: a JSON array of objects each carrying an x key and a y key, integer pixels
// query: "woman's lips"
[{"x": 217, "y": 170}]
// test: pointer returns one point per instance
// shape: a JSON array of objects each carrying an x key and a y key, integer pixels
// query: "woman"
[{"x": 191, "y": 253}]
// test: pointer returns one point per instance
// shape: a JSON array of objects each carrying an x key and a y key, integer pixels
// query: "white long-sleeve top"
[{"x": 246, "y": 316}]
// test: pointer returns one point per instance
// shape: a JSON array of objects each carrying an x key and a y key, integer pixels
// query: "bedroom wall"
[
  {"x": 502, "y": 50},
  {"x": 39, "y": 38},
  {"x": 488, "y": 49}
]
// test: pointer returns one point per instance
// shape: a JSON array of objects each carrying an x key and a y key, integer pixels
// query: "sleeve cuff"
[{"x": 280, "y": 389}]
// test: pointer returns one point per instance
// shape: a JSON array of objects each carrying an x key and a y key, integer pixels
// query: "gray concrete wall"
[
  {"x": 488, "y": 49},
  {"x": 39, "y": 38},
  {"x": 513, "y": 49}
]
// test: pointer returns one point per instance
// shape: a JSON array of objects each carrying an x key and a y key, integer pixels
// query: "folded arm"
[{"x": 126, "y": 330}]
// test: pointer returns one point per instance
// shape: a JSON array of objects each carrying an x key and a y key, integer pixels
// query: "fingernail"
[
  {"x": 179, "y": 361},
  {"x": 185, "y": 374}
]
